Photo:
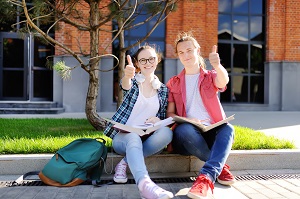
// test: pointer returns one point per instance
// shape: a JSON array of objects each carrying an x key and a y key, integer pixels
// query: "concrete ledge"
[{"x": 168, "y": 163}]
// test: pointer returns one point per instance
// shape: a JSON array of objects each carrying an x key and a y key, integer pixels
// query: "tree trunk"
[
  {"x": 122, "y": 59},
  {"x": 92, "y": 95}
]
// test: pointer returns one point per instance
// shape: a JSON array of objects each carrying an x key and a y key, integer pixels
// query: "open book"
[
  {"x": 201, "y": 126},
  {"x": 141, "y": 129}
]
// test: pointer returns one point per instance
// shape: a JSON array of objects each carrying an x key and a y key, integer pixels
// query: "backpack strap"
[{"x": 19, "y": 181}]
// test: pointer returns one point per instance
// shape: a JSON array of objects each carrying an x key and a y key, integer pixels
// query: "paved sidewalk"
[
  {"x": 285, "y": 185},
  {"x": 281, "y": 124}
]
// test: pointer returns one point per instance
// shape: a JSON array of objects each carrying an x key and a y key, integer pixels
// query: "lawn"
[{"x": 31, "y": 136}]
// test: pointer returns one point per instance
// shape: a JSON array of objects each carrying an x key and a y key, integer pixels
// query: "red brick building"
[{"x": 258, "y": 42}]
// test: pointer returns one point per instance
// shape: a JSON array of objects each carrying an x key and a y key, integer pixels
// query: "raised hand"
[
  {"x": 214, "y": 58},
  {"x": 129, "y": 70}
]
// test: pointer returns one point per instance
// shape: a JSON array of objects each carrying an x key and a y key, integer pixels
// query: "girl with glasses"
[{"x": 145, "y": 100}]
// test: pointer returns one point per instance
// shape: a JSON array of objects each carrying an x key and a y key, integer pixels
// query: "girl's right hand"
[{"x": 129, "y": 70}]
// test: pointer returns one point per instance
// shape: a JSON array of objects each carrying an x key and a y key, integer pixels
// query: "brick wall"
[
  {"x": 199, "y": 16},
  {"x": 282, "y": 24},
  {"x": 79, "y": 41},
  {"x": 283, "y": 30}
]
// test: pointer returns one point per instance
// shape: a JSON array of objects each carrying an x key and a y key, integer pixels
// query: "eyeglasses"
[{"x": 143, "y": 61}]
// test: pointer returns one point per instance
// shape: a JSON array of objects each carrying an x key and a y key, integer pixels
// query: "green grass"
[
  {"x": 31, "y": 136},
  {"x": 28, "y": 136}
]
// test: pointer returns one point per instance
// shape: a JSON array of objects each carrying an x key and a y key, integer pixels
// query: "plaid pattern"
[{"x": 130, "y": 97}]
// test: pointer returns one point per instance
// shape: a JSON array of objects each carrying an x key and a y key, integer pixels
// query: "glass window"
[
  {"x": 256, "y": 33},
  {"x": 240, "y": 28},
  {"x": 241, "y": 45},
  {"x": 240, "y": 58},
  {"x": 159, "y": 30},
  {"x": 44, "y": 85},
  {"x": 13, "y": 84},
  {"x": 226, "y": 96},
  {"x": 240, "y": 6},
  {"x": 224, "y": 27},
  {"x": 257, "y": 59},
  {"x": 42, "y": 52},
  {"x": 225, "y": 6},
  {"x": 257, "y": 89},
  {"x": 240, "y": 88},
  {"x": 15, "y": 59},
  {"x": 256, "y": 7},
  {"x": 140, "y": 30},
  {"x": 157, "y": 38},
  {"x": 224, "y": 51}
]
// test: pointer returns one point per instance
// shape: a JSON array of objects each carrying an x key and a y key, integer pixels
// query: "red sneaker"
[
  {"x": 202, "y": 188},
  {"x": 226, "y": 177}
]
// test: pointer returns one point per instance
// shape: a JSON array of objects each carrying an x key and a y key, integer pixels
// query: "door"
[
  {"x": 41, "y": 76},
  {"x": 24, "y": 75},
  {"x": 13, "y": 67}
]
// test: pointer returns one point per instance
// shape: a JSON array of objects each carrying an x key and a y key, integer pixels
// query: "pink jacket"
[{"x": 208, "y": 92}]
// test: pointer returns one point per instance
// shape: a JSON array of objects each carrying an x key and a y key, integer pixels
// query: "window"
[
  {"x": 241, "y": 45},
  {"x": 33, "y": 79},
  {"x": 133, "y": 35}
]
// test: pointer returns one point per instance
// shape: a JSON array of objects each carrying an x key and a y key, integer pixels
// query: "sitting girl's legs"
[
  {"x": 157, "y": 141},
  {"x": 131, "y": 145}
]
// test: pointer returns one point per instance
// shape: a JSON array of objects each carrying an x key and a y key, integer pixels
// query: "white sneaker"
[
  {"x": 120, "y": 172},
  {"x": 149, "y": 190}
]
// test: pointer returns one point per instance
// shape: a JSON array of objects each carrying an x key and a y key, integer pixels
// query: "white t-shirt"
[
  {"x": 194, "y": 104},
  {"x": 143, "y": 109}
]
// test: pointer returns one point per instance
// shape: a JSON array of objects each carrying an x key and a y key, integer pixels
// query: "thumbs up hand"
[
  {"x": 214, "y": 58},
  {"x": 129, "y": 70}
]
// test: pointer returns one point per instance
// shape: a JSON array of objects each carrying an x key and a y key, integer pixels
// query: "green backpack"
[{"x": 82, "y": 159}]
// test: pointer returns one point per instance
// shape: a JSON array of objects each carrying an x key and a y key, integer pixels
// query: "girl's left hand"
[{"x": 152, "y": 120}]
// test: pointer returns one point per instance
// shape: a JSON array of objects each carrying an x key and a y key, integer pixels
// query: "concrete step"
[
  {"x": 31, "y": 110},
  {"x": 30, "y": 107},
  {"x": 168, "y": 163}
]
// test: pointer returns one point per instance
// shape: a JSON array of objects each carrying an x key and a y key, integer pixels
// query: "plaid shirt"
[{"x": 130, "y": 97}]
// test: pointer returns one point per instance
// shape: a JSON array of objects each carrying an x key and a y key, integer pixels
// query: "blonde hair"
[{"x": 188, "y": 36}]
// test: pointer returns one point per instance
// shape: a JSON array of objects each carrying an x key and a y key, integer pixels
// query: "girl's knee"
[{"x": 164, "y": 133}]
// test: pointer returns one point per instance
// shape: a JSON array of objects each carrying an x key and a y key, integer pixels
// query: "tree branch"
[
  {"x": 159, "y": 20},
  {"x": 50, "y": 39}
]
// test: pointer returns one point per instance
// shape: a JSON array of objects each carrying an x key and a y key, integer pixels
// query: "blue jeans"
[
  {"x": 136, "y": 150},
  {"x": 212, "y": 147}
]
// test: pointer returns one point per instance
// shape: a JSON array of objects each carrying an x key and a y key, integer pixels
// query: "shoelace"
[
  {"x": 121, "y": 169},
  {"x": 201, "y": 184},
  {"x": 152, "y": 188},
  {"x": 225, "y": 171}
]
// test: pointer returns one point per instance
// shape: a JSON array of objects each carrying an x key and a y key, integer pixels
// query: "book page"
[
  {"x": 141, "y": 129},
  {"x": 146, "y": 126},
  {"x": 201, "y": 126},
  {"x": 143, "y": 126}
]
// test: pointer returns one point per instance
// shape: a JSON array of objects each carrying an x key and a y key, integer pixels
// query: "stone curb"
[{"x": 169, "y": 163}]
